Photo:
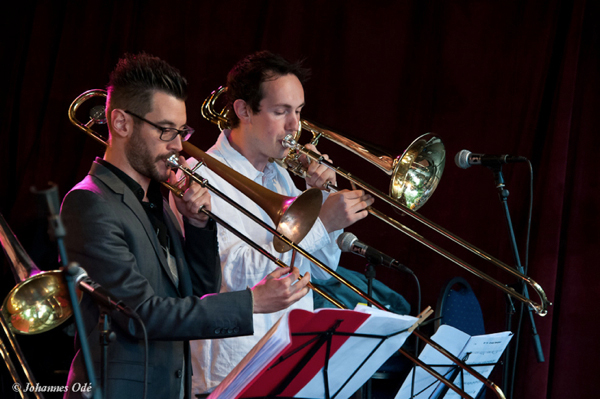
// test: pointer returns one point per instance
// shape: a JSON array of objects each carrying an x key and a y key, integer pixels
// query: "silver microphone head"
[
  {"x": 462, "y": 159},
  {"x": 345, "y": 241},
  {"x": 77, "y": 272}
]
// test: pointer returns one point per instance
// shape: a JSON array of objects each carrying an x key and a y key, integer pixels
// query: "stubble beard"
[{"x": 141, "y": 160}]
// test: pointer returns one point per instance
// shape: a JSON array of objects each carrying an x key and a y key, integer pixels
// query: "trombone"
[
  {"x": 293, "y": 217},
  {"x": 414, "y": 176},
  {"x": 38, "y": 303},
  {"x": 244, "y": 185}
]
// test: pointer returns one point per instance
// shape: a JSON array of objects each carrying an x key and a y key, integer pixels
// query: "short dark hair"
[
  {"x": 245, "y": 79},
  {"x": 137, "y": 77}
]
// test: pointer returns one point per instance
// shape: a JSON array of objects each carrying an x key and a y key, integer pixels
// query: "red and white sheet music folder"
[{"x": 278, "y": 353}]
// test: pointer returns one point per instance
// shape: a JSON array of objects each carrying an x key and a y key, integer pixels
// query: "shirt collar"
[
  {"x": 154, "y": 194},
  {"x": 242, "y": 165}
]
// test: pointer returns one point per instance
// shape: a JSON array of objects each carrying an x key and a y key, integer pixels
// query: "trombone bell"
[
  {"x": 40, "y": 300},
  {"x": 37, "y": 304},
  {"x": 418, "y": 171}
]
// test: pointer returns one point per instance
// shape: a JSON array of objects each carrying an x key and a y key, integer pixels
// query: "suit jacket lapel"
[{"x": 129, "y": 199}]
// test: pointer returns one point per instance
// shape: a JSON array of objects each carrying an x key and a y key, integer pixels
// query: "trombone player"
[
  {"x": 265, "y": 97},
  {"x": 128, "y": 241}
]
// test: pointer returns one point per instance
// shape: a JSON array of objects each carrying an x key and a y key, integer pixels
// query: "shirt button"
[
  {"x": 236, "y": 330},
  {"x": 178, "y": 373},
  {"x": 218, "y": 331}
]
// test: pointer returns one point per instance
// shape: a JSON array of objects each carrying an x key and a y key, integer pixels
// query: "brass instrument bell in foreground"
[{"x": 40, "y": 300}]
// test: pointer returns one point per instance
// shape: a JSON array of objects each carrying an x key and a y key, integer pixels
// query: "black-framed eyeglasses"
[{"x": 167, "y": 133}]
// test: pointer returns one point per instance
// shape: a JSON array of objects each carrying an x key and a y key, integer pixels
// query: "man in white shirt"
[{"x": 265, "y": 98}]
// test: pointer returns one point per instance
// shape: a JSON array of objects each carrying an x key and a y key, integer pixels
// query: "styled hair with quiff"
[{"x": 136, "y": 78}]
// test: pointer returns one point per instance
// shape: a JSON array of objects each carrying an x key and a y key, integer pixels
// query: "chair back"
[{"x": 458, "y": 307}]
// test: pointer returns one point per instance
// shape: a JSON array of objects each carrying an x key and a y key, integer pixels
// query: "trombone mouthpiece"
[
  {"x": 289, "y": 142},
  {"x": 173, "y": 161}
]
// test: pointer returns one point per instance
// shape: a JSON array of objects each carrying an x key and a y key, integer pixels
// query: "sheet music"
[
  {"x": 345, "y": 361},
  {"x": 269, "y": 346},
  {"x": 481, "y": 349},
  {"x": 341, "y": 365}
]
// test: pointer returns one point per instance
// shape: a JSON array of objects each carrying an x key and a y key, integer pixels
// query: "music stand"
[
  {"x": 480, "y": 352},
  {"x": 330, "y": 354}
]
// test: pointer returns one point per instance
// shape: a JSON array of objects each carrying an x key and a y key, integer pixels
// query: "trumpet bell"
[
  {"x": 38, "y": 304},
  {"x": 418, "y": 171}
]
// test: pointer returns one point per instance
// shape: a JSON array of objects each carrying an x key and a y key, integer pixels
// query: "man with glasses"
[{"x": 121, "y": 233}]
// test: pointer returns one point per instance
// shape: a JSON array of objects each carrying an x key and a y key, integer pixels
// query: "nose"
[
  {"x": 292, "y": 122},
  {"x": 175, "y": 144}
]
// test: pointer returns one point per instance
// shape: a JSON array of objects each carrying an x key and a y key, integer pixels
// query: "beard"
[{"x": 139, "y": 157}]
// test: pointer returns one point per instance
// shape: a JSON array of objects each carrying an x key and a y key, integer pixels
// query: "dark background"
[{"x": 508, "y": 77}]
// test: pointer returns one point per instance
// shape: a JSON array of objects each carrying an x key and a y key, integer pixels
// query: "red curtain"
[{"x": 492, "y": 77}]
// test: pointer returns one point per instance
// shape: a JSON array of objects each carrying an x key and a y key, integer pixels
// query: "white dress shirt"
[{"x": 243, "y": 266}]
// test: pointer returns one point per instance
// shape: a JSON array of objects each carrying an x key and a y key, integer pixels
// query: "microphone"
[
  {"x": 464, "y": 159},
  {"x": 348, "y": 242},
  {"x": 99, "y": 294}
]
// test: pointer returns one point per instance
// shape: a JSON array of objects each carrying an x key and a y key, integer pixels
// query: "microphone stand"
[
  {"x": 370, "y": 274},
  {"x": 503, "y": 196},
  {"x": 58, "y": 232},
  {"x": 106, "y": 337}
]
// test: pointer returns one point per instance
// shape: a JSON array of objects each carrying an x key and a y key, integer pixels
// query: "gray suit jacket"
[{"x": 112, "y": 238}]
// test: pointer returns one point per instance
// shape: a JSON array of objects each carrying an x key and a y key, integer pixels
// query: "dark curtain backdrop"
[{"x": 508, "y": 77}]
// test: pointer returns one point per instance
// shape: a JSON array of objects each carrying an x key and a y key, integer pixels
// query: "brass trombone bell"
[
  {"x": 417, "y": 172},
  {"x": 37, "y": 304},
  {"x": 40, "y": 300}
]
